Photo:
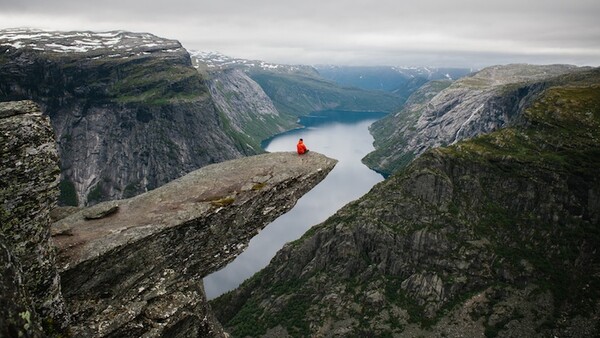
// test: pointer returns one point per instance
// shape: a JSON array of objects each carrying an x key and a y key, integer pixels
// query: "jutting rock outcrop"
[
  {"x": 440, "y": 113},
  {"x": 134, "y": 267},
  {"x": 30, "y": 293},
  {"x": 496, "y": 236}
]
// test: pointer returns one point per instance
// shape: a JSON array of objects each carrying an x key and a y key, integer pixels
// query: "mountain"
[
  {"x": 494, "y": 236},
  {"x": 401, "y": 81},
  {"x": 441, "y": 114},
  {"x": 130, "y": 111},
  {"x": 300, "y": 90},
  {"x": 247, "y": 107}
]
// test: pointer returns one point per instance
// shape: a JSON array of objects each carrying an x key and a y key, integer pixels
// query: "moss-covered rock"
[{"x": 28, "y": 191}]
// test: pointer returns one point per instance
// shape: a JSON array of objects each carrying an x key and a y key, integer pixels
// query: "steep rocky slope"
[
  {"x": 30, "y": 293},
  {"x": 474, "y": 105},
  {"x": 134, "y": 267},
  {"x": 249, "y": 110},
  {"x": 494, "y": 236},
  {"x": 129, "y": 110},
  {"x": 299, "y": 90}
]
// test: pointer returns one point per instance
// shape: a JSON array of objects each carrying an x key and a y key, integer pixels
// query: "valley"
[
  {"x": 340, "y": 135},
  {"x": 133, "y": 169}
]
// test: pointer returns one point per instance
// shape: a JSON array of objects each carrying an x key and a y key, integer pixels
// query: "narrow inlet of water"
[{"x": 340, "y": 135}]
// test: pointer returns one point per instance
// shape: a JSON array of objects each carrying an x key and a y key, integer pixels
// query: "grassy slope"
[{"x": 300, "y": 94}]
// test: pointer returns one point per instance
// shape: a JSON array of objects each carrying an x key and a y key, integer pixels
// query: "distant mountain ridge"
[
  {"x": 401, "y": 81},
  {"x": 298, "y": 90},
  {"x": 121, "y": 43},
  {"x": 216, "y": 61},
  {"x": 439, "y": 115}
]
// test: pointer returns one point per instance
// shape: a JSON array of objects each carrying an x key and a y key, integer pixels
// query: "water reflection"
[{"x": 343, "y": 136}]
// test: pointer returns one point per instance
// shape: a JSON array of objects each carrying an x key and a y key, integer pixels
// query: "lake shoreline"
[{"x": 340, "y": 135}]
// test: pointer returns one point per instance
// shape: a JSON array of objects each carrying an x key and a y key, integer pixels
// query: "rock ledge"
[{"x": 138, "y": 270}]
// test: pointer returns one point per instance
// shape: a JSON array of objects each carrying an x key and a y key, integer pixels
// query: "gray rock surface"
[
  {"x": 478, "y": 104},
  {"x": 246, "y": 105},
  {"x": 28, "y": 191},
  {"x": 139, "y": 271}
]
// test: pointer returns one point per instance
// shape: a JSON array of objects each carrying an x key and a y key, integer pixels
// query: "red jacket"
[{"x": 301, "y": 147}]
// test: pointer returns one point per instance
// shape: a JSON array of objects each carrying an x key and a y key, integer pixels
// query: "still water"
[{"x": 340, "y": 135}]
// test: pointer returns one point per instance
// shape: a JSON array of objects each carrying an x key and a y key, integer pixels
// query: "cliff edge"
[{"x": 134, "y": 267}]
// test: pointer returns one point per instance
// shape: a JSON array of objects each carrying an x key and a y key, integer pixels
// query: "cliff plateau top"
[{"x": 96, "y": 230}]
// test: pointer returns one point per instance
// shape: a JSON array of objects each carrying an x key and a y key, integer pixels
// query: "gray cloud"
[{"x": 469, "y": 33}]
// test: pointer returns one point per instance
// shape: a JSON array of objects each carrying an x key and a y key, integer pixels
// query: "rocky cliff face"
[
  {"x": 300, "y": 90},
  {"x": 249, "y": 110},
  {"x": 134, "y": 267},
  {"x": 494, "y": 236},
  {"x": 129, "y": 110},
  {"x": 486, "y": 101},
  {"x": 30, "y": 293}
]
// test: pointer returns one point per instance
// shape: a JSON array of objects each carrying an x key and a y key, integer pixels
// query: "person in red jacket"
[{"x": 301, "y": 147}]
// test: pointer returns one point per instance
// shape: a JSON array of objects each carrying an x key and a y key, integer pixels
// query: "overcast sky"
[{"x": 470, "y": 33}]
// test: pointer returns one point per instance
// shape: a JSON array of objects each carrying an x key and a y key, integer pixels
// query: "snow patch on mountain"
[
  {"x": 216, "y": 61},
  {"x": 119, "y": 43}
]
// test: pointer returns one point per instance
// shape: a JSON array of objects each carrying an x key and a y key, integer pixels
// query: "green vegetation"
[
  {"x": 258, "y": 186},
  {"x": 243, "y": 142},
  {"x": 246, "y": 321},
  {"x": 517, "y": 213},
  {"x": 156, "y": 82},
  {"x": 132, "y": 189},
  {"x": 561, "y": 138},
  {"x": 395, "y": 295},
  {"x": 291, "y": 316},
  {"x": 68, "y": 195},
  {"x": 299, "y": 94},
  {"x": 95, "y": 194},
  {"x": 391, "y": 132},
  {"x": 267, "y": 126},
  {"x": 222, "y": 202}
]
